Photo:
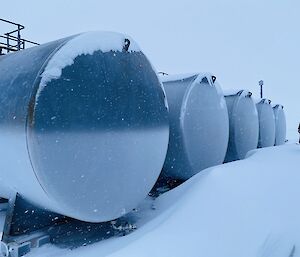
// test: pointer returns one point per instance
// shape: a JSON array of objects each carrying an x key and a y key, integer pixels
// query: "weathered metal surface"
[
  {"x": 243, "y": 125},
  {"x": 92, "y": 143},
  {"x": 199, "y": 126},
  {"x": 266, "y": 123},
  {"x": 280, "y": 124}
]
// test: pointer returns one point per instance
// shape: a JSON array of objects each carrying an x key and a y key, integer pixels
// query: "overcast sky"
[{"x": 239, "y": 41}]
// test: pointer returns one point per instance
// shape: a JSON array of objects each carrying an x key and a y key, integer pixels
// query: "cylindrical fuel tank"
[
  {"x": 280, "y": 124},
  {"x": 243, "y": 124},
  {"x": 83, "y": 126},
  {"x": 266, "y": 123},
  {"x": 199, "y": 126}
]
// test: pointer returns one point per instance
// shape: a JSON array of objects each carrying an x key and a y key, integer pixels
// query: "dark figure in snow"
[{"x": 299, "y": 132}]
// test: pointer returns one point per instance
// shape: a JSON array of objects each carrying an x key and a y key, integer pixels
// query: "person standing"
[{"x": 299, "y": 132}]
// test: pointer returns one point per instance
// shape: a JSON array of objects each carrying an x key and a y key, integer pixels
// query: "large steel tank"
[
  {"x": 83, "y": 126},
  {"x": 266, "y": 123},
  {"x": 280, "y": 124},
  {"x": 199, "y": 125},
  {"x": 243, "y": 124}
]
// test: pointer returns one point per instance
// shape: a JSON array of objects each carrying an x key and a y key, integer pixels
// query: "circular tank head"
[
  {"x": 280, "y": 124},
  {"x": 243, "y": 125},
  {"x": 204, "y": 125},
  {"x": 201, "y": 138},
  {"x": 98, "y": 129},
  {"x": 266, "y": 123}
]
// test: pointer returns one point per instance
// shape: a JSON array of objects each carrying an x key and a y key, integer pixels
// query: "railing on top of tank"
[{"x": 12, "y": 41}]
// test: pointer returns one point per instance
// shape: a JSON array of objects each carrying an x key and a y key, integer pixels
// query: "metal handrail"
[
  {"x": 13, "y": 38},
  {"x": 13, "y": 23},
  {"x": 8, "y": 46}
]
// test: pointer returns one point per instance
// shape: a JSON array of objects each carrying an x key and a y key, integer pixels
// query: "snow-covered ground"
[{"x": 244, "y": 208}]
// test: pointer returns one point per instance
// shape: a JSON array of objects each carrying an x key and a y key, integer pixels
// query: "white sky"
[{"x": 240, "y": 41}]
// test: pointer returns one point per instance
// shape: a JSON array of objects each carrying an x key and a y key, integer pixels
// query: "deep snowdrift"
[{"x": 243, "y": 208}]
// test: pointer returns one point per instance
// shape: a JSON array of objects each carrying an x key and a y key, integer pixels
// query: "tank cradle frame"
[
  {"x": 24, "y": 226},
  {"x": 10, "y": 247}
]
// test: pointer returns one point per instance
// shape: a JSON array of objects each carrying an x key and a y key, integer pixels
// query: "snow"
[
  {"x": 240, "y": 209},
  {"x": 175, "y": 77},
  {"x": 198, "y": 77},
  {"x": 85, "y": 43},
  {"x": 277, "y": 106},
  {"x": 262, "y": 100},
  {"x": 233, "y": 91}
]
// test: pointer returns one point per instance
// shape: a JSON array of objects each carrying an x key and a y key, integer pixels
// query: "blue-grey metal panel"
[
  {"x": 199, "y": 126},
  {"x": 93, "y": 143},
  {"x": 280, "y": 124},
  {"x": 243, "y": 125},
  {"x": 266, "y": 123}
]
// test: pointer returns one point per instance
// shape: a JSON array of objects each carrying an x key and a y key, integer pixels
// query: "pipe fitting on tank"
[{"x": 126, "y": 45}]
